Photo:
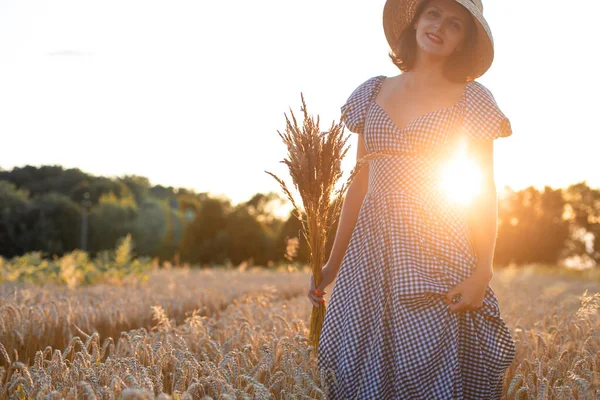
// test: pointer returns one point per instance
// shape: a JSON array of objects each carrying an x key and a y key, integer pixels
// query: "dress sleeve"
[
  {"x": 356, "y": 106},
  {"x": 483, "y": 118}
]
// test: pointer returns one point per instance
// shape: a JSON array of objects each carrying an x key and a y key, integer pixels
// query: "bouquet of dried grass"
[{"x": 314, "y": 162}]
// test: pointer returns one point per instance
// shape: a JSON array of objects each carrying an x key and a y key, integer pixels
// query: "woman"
[{"x": 412, "y": 315}]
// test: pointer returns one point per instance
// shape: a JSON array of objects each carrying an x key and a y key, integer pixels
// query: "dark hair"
[{"x": 460, "y": 65}]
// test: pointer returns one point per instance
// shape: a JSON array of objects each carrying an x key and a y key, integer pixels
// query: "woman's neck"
[{"x": 428, "y": 70}]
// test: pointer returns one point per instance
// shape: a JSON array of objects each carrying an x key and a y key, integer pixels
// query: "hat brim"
[{"x": 398, "y": 14}]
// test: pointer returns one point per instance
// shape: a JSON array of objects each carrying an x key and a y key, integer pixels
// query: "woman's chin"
[{"x": 433, "y": 51}]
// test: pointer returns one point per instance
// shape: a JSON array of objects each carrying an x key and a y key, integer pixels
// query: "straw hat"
[{"x": 398, "y": 14}]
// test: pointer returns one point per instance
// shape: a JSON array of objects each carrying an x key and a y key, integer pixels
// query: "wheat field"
[{"x": 242, "y": 334}]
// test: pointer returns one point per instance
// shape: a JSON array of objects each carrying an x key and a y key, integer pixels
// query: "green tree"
[
  {"x": 205, "y": 239},
  {"x": 109, "y": 222},
  {"x": 247, "y": 239},
  {"x": 158, "y": 229},
  {"x": 17, "y": 221},
  {"x": 138, "y": 186},
  {"x": 291, "y": 228},
  {"x": 583, "y": 213},
  {"x": 58, "y": 225}
]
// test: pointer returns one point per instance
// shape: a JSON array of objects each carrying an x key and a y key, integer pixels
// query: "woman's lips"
[{"x": 435, "y": 38}]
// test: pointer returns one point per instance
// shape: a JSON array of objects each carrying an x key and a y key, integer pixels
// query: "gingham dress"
[{"x": 388, "y": 333}]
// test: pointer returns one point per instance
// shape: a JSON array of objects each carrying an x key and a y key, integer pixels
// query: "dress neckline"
[{"x": 378, "y": 85}]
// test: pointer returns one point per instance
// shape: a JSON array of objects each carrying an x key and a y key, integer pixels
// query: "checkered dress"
[{"x": 388, "y": 333}]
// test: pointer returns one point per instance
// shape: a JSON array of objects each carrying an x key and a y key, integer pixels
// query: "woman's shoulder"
[
  {"x": 479, "y": 92},
  {"x": 483, "y": 117},
  {"x": 366, "y": 88},
  {"x": 354, "y": 109}
]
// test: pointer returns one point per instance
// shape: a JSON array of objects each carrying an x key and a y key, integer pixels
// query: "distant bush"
[{"x": 77, "y": 268}]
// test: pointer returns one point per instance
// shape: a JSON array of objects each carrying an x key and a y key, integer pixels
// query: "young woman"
[{"x": 412, "y": 315}]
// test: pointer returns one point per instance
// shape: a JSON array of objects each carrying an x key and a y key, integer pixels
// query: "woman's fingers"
[
  {"x": 463, "y": 305},
  {"x": 316, "y": 301},
  {"x": 315, "y": 295},
  {"x": 313, "y": 289},
  {"x": 318, "y": 292},
  {"x": 312, "y": 293}
]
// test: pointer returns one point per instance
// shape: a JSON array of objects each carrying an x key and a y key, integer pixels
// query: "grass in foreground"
[{"x": 230, "y": 334}]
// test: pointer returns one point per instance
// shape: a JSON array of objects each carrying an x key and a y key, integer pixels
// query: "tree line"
[{"x": 53, "y": 210}]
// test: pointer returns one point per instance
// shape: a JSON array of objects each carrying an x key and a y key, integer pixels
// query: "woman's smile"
[{"x": 435, "y": 38}]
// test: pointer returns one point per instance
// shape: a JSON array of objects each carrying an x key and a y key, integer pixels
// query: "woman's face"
[{"x": 441, "y": 27}]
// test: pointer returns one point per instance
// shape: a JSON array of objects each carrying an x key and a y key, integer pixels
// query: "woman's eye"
[
  {"x": 455, "y": 25},
  {"x": 433, "y": 13}
]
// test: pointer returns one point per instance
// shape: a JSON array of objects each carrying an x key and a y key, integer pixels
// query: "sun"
[{"x": 461, "y": 177}]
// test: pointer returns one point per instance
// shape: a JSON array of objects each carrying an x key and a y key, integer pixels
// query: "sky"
[{"x": 192, "y": 93}]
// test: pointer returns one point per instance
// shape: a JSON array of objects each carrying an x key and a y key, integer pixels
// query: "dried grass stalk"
[{"x": 314, "y": 161}]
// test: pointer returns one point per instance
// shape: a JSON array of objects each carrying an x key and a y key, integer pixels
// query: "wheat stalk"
[{"x": 314, "y": 162}]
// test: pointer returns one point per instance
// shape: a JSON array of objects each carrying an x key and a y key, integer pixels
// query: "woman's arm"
[
  {"x": 483, "y": 212},
  {"x": 350, "y": 208}
]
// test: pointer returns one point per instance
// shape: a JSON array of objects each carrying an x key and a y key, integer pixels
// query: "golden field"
[{"x": 242, "y": 334}]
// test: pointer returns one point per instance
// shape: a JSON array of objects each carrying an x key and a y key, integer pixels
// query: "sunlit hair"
[{"x": 460, "y": 65}]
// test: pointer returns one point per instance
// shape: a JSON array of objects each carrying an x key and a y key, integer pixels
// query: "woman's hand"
[
  {"x": 471, "y": 291},
  {"x": 315, "y": 294}
]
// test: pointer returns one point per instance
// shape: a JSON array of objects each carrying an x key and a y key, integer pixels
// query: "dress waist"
[{"x": 405, "y": 172}]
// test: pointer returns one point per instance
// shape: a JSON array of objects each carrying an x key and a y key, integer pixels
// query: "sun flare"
[{"x": 461, "y": 178}]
